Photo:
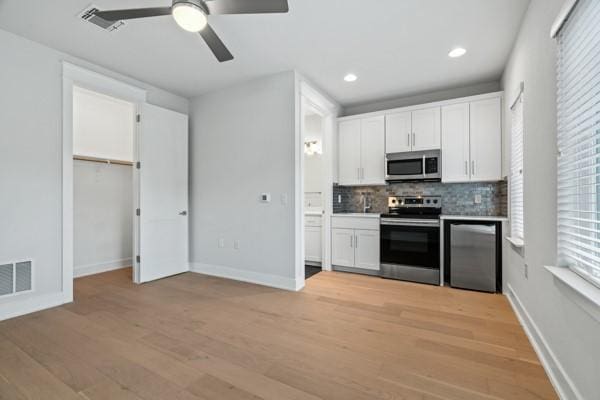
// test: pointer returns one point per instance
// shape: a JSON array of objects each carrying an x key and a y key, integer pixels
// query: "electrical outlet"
[
  {"x": 339, "y": 198},
  {"x": 526, "y": 271},
  {"x": 477, "y": 199},
  {"x": 221, "y": 243},
  {"x": 236, "y": 244}
]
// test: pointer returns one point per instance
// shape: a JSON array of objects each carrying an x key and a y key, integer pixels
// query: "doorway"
[{"x": 103, "y": 182}]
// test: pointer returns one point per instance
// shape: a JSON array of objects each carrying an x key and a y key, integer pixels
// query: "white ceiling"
[{"x": 396, "y": 47}]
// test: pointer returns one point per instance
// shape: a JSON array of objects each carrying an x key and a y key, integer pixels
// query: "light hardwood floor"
[{"x": 197, "y": 337}]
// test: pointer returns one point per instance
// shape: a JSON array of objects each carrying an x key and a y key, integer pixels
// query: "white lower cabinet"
[
  {"x": 355, "y": 242},
  {"x": 313, "y": 239},
  {"x": 342, "y": 247}
]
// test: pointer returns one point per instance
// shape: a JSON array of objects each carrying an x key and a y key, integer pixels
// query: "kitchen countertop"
[
  {"x": 364, "y": 215},
  {"x": 475, "y": 217}
]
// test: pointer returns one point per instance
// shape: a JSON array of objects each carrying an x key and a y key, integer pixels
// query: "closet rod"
[{"x": 102, "y": 160}]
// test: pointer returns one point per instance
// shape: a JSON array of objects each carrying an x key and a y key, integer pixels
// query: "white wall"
[
  {"x": 570, "y": 334},
  {"x": 30, "y": 161},
  {"x": 422, "y": 98},
  {"x": 103, "y": 126},
  {"x": 103, "y": 216},
  {"x": 241, "y": 145}
]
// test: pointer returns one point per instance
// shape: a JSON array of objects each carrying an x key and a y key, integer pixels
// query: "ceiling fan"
[{"x": 192, "y": 15}]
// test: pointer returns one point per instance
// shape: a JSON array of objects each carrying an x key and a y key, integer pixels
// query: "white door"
[
  {"x": 349, "y": 152},
  {"x": 163, "y": 180},
  {"x": 366, "y": 252},
  {"x": 372, "y": 151},
  {"x": 398, "y": 132},
  {"x": 342, "y": 247},
  {"x": 426, "y": 129},
  {"x": 312, "y": 243},
  {"x": 486, "y": 140},
  {"x": 455, "y": 143}
]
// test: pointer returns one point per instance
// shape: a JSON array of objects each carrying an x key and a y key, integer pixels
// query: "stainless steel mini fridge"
[{"x": 473, "y": 256}]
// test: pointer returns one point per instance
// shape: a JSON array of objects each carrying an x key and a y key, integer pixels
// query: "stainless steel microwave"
[{"x": 413, "y": 166}]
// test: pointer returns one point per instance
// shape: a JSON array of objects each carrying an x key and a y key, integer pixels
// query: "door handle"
[
  {"x": 473, "y": 167},
  {"x": 356, "y": 241},
  {"x": 351, "y": 246},
  {"x": 408, "y": 140},
  {"x": 466, "y": 167},
  {"x": 183, "y": 213},
  {"x": 414, "y": 139}
]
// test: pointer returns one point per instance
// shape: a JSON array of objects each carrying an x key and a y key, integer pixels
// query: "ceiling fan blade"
[
  {"x": 215, "y": 44},
  {"x": 117, "y": 15},
  {"x": 247, "y": 6}
]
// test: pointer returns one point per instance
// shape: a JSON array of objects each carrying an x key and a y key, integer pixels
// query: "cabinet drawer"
[
  {"x": 312, "y": 220},
  {"x": 354, "y": 222}
]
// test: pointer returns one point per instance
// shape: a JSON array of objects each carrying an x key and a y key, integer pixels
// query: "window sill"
[
  {"x": 515, "y": 241},
  {"x": 580, "y": 291}
]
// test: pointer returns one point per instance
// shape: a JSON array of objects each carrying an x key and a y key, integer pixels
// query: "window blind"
[
  {"x": 578, "y": 74},
  {"x": 516, "y": 169}
]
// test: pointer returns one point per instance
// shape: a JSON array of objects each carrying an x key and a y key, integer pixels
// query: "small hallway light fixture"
[
  {"x": 312, "y": 147},
  {"x": 457, "y": 52},
  {"x": 350, "y": 78}
]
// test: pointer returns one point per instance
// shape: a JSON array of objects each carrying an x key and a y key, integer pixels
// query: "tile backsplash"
[{"x": 457, "y": 198}]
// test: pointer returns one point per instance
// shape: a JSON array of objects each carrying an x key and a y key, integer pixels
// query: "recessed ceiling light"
[
  {"x": 350, "y": 78},
  {"x": 457, "y": 52}
]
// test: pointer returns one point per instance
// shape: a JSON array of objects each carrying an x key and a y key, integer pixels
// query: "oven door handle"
[{"x": 432, "y": 224}]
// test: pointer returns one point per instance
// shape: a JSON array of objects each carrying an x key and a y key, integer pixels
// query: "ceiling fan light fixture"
[{"x": 189, "y": 16}]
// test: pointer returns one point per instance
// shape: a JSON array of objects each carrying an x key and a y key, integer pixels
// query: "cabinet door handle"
[
  {"x": 466, "y": 167},
  {"x": 351, "y": 246},
  {"x": 473, "y": 167},
  {"x": 362, "y": 173},
  {"x": 356, "y": 241},
  {"x": 358, "y": 173},
  {"x": 408, "y": 140},
  {"x": 414, "y": 139}
]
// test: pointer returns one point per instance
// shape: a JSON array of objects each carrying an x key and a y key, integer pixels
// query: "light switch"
[{"x": 265, "y": 197}]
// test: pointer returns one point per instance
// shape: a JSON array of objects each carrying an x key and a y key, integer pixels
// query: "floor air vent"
[
  {"x": 16, "y": 277},
  {"x": 88, "y": 15}
]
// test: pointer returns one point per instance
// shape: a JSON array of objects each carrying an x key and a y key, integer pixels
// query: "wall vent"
[
  {"x": 16, "y": 277},
  {"x": 88, "y": 15}
]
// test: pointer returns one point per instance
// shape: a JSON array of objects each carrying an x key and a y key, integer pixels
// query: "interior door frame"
[
  {"x": 306, "y": 92},
  {"x": 73, "y": 75}
]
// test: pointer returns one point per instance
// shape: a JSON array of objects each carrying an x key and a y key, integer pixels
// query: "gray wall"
[
  {"x": 242, "y": 144},
  {"x": 31, "y": 160},
  {"x": 570, "y": 333},
  {"x": 422, "y": 98},
  {"x": 103, "y": 215}
]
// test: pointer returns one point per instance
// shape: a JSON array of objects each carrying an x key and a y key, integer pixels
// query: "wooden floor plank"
[{"x": 195, "y": 337}]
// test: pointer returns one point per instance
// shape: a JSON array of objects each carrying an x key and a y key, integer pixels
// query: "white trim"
[
  {"x": 518, "y": 95},
  {"x": 244, "y": 275},
  {"x": 92, "y": 269},
  {"x": 517, "y": 242},
  {"x": 14, "y": 309},
  {"x": 563, "y": 385},
  {"x": 579, "y": 290},
  {"x": 459, "y": 100},
  {"x": 74, "y": 75},
  {"x": 562, "y": 17}
]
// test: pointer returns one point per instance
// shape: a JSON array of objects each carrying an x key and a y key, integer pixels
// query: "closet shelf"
[{"x": 102, "y": 160}]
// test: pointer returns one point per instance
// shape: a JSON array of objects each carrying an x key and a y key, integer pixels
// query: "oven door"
[{"x": 413, "y": 243}]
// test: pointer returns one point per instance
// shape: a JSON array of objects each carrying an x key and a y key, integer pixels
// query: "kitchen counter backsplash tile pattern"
[{"x": 457, "y": 198}]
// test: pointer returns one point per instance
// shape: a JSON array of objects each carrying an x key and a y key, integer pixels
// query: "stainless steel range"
[{"x": 410, "y": 239}]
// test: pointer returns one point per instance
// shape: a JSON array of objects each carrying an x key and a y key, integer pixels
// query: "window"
[
  {"x": 516, "y": 170},
  {"x": 578, "y": 74}
]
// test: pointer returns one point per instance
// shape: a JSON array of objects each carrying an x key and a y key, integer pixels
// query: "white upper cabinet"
[
  {"x": 398, "y": 132},
  {"x": 349, "y": 152},
  {"x": 372, "y": 151},
  {"x": 455, "y": 143},
  {"x": 486, "y": 140},
  {"x": 472, "y": 141},
  {"x": 426, "y": 129},
  {"x": 362, "y": 151}
]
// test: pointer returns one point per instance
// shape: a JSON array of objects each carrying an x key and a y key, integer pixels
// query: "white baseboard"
[
  {"x": 92, "y": 269},
  {"x": 563, "y": 385},
  {"x": 259, "y": 278},
  {"x": 28, "y": 303}
]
